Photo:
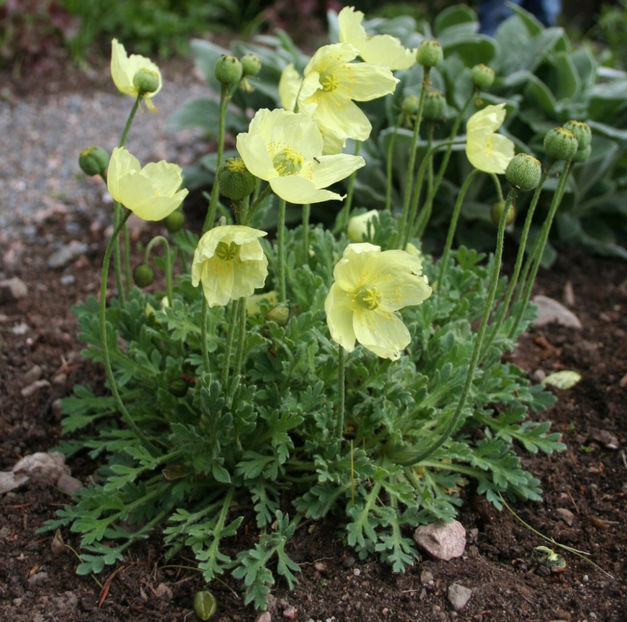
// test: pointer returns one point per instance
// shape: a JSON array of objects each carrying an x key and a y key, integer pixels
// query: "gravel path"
[{"x": 42, "y": 137}]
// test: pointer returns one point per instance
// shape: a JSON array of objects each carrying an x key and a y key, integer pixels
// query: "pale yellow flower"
[
  {"x": 285, "y": 149},
  {"x": 152, "y": 192},
  {"x": 326, "y": 92},
  {"x": 229, "y": 263},
  {"x": 487, "y": 151},
  {"x": 124, "y": 68},
  {"x": 358, "y": 225},
  {"x": 382, "y": 49},
  {"x": 370, "y": 287}
]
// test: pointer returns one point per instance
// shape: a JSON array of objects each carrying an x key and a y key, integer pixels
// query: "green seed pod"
[
  {"x": 582, "y": 155},
  {"x": 204, "y": 604},
  {"x": 429, "y": 53},
  {"x": 228, "y": 69},
  {"x": 560, "y": 144},
  {"x": 178, "y": 387},
  {"x": 434, "y": 108},
  {"x": 146, "y": 81},
  {"x": 93, "y": 160},
  {"x": 236, "y": 181},
  {"x": 497, "y": 210},
  {"x": 251, "y": 64},
  {"x": 280, "y": 314},
  {"x": 410, "y": 105},
  {"x": 174, "y": 222},
  {"x": 523, "y": 171},
  {"x": 581, "y": 131},
  {"x": 482, "y": 76},
  {"x": 143, "y": 275}
]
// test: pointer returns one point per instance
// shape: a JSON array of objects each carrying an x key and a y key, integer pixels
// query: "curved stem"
[
  {"x": 281, "y": 250},
  {"x": 474, "y": 359},
  {"x": 535, "y": 259},
  {"x": 388, "y": 168},
  {"x": 341, "y": 395},
  {"x": 203, "y": 335},
  {"x": 306, "y": 215},
  {"x": 241, "y": 339},
  {"x": 228, "y": 346},
  {"x": 129, "y": 121},
  {"x": 453, "y": 226},
  {"x": 215, "y": 191},
  {"x": 102, "y": 322},
  {"x": 168, "y": 262},
  {"x": 342, "y": 218}
]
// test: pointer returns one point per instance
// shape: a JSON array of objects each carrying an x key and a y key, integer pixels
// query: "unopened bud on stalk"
[
  {"x": 146, "y": 81},
  {"x": 560, "y": 144},
  {"x": 523, "y": 171},
  {"x": 581, "y": 131},
  {"x": 280, "y": 314},
  {"x": 143, "y": 275},
  {"x": 228, "y": 69},
  {"x": 93, "y": 160},
  {"x": 174, "y": 221},
  {"x": 410, "y": 105},
  {"x": 497, "y": 210},
  {"x": 482, "y": 76},
  {"x": 434, "y": 107},
  {"x": 429, "y": 53},
  {"x": 251, "y": 64},
  {"x": 236, "y": 181},
  {"x": 582, "y": 155}
]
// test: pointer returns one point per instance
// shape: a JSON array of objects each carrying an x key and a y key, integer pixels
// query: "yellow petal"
[
  {"x": 337, "y": 306},
  {"x": 380, "y": 332}
]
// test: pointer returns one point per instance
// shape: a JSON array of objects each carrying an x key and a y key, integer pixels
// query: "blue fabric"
[{"x": 493, "y": 12}]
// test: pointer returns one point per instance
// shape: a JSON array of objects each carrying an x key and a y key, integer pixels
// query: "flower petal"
[
  {"x": 297, "y": 189},
  {"x": 381, "y": 332},
  {"x": 341, "y": 117},
  {"x": 337, "y": 306},
  {"x": 253, "y": 150},
  {"x": 364, "y": 81},
  {"x": 332, "y": 168}
]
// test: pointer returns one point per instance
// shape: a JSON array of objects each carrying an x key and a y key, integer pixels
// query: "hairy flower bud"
[
  {"x": 560, "y": 144},
  {"x": 434, "y": 108},
  {"x": 410, "y": 105},
  {"x": 146, "y": 81},
  {"x": 251, "y": 64},
  {"x": 236, "y": 181},
  {"x": 581, "y": 131},
  {"x": 523, "y": 171},
  {"x": 143, "y": 275},
  {"x": 93, "y": 160},
  {"x": 496, "y": 212},
  {"x": 174, "y": 222},
  {"x": 482, "y": 76},
  {"x": 228, "y": 69},
  {"x": 429, "y": 53}
]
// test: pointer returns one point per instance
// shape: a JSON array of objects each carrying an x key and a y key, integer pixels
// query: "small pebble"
[
  {"x": 34, "y": 373},
  {"x": 264, "y": 617},
  {"x": 349, "y": 562},
  {"x": 32, "y": 388},
  {"x": 566, "y": 515},
  {"x": 426, "y": 577},
  {"x": 290, "y": 613},
  {"x": 39, "y": 578},
  {"x": 458, "y": 595},
  {"x": 442, "y": 540}
]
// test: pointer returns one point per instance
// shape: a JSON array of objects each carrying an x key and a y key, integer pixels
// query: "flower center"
[
  {"x": 287, "y": 162},
  {"x": 227, "y": 252},
  {"x": 367, "y": 297},
  {"x": 328, "y": 81}
]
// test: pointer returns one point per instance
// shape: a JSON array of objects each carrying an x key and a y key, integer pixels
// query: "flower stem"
[
  {"x": 102, "y": 321},
  {"x": 306, "y": 214},
  {"x": 203, "y": 336},
  {"x": 241, "y": 339},
  {"x": 342, "y": 218},
  {"x": 215, "y": 191},
  {"x": 474, "y": 358},
  {"x": 341, "y": 395},
  {"x": 168, "y": 262},
  {"x": 534, "y": 259},
  {"x": 228, "y": 346},
  {"x": 388, "y": 168},
  {"x": 281, "y": 250},
  {"x": 453, "y": 226}
]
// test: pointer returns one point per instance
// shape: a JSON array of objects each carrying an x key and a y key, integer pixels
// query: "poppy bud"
[
  {"x": 236, "y": 181},
  {"x": 174, "y": 222},
  {"x": 482, "y": 76},
  {"x": 523, "y": 171},
  {"x": 410, "y": 105},
  {"x": 146, "y": 81},
  {"x": 497, "y": 210},
  {"x": 143, "y": 275},
  {"x": 429, "y": 53},
  {"x": 251, "y": 64},
  {"x": 434, "y": 108},
  {"x": 228, "y": 69},
  {"x": 560, "y": 144},
  {"x": 93, "y": 160},
  {"x": 581, "y": 131}
]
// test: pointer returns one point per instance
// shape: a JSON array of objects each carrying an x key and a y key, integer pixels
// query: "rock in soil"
[
  {"x": 442, "y": 540},
  {"x": 458, "y": 595}
]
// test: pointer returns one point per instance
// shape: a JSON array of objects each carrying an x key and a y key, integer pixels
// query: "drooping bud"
[
  {"x": 560, "y": 144},
  {"x": 523, "y": 171},
  {"x": 482, "y": 76},
  {"x": 358, "y": 225},
  {"x": 434, "y": 107},
  {"x": 429, "y": 53},
  {"x": 497, "y": 210},
  {"x": 228, "y": 69},
  {"x": 236, "y": 181},
  {"x": 93, "y": 160},
  {"x": 146, "y": 81},
  {"x": 174, "y": 222},
  {"x": 143, "y": 275},
  {"x": 410, "y": 105},
  {"x": 251, "y": 64},
  {"x": 581, "y": 131}
]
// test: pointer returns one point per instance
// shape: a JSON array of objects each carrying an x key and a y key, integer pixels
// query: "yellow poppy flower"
[
  {"x": 326, "y": 92},
  {"x": 124, "y": 68},
  {"x": 229, "y": 263},
  {"x": 358, "y": 225},
  {"x": 382, "y": 49},
  {"x": 285, "y": 149},
  {"x": 487, "y": 151},
  {"x": 370, "y": 287},
  {"x": 152, "y": 192}
]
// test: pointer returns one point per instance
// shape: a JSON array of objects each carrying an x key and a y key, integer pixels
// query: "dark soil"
[{"x": 584, "y": 487}]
